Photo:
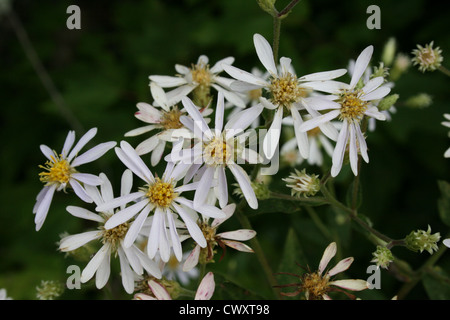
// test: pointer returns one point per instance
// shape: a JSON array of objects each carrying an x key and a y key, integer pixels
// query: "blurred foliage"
[{"x": 102, "y": 71}]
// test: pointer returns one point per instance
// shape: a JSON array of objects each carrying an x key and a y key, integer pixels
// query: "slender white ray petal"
[
  {"x": 93, "y": 154},
  {"x": 157, "y": 153},
  {"x": 301, "y": 137},
  {"x": 239, "y": 235},
  {"x": 103, "y": 272},
  {"x": 148, "y": 113},
  {"x": 159, "y": 291},
  {"x": 272, "y": 138},
  {"x": 130, "y": 164},
  {"x": 374, "y": 113},
  {"x": 218, "y": 66},
  {"x": 44, "y": 205},
  {"x": 148, "y": 145},
  {"x": 81, "y": 143},
  {"x": 153, "y": 237},
  {"x": 350, "y": 284},
  {"x": 319, "y": 120},
  {"x": 361, "y": 65},
  {"x": 323, "y": 75},
  {"x": 199, "y": 121},
  {"x": 193, "y": 228},
  {"x": 95, "y": 262},
  {"x": 328, "y": 254},
  {"x": 48, "y": 153},
  {"x": 80, "y": 191},
  {"x": 245, "y": 77},
  {"x": 372, "y": 84},
  {"x": 353, "y": 149},
  {"x": 134, "y": 157},
  {"x": 168, "y": 81},
  {"x": 159, "y": 95},
  {"x": 204, "y": 186},
  {"x": 147, "y": 263},
  {"x": 68, "y": 143},
  {"x": 76, "y": 241},
  {"x": 126, "y": 272},
  {"x": 265, "y": 53},
  {"x": 339, "y": 150},
  {"x": 230, "y": 96},
  {"x": 141, "y": 130},
  {"x": 87, "y": 178},
  {"x": 267, "y": 103},
  {"x": 219, "y": 113},
  {"x": 206, "y": 288},
  {"x": 241, "y": 120},
  {"x": 238, "y": 246},
  {"x": 321, "y": 103},
  {"x": 164, "y": 248},
  {"x": 132, "y": 259},
  {"x": 83, "y": 213},
  {"x": 362, "y": 144},
  {"x": 174, "y": 96},
  {"x": 376, "y": 94},
  {"x": 136, "y": 226},
  {"x": 241, "y": 86},
  {"x": 222, "y": 187},
  {"x": 228, "y": 211},
  {"x": 244, "y": 183},
  {"x": 126, "y": 214},
  {"x": 341, "y": 266},
  {"x": 175, "y": 239},
  {"x": 328, "y": 86},
  {"x": 181, "y": 69},
  {"x": 192, "y": 260},
  {"x": 119, "y": 201}
]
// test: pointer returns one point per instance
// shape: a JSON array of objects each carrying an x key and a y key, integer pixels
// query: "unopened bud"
[{"x": 421, "y": 240}]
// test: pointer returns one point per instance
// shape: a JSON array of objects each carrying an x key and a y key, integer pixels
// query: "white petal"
[
  {"x": 374, "y": 113},
  {"x": 44, "y": 205},
  {"x": 244, "y": 183},
  {"x": 329, "y": 86},
  {"x": 328, "y": 254},
  {"x": 206, "y": 288},
  {"x": 272, "y": 138},
  {"x": 81, "y": 143},
  {"x": 238, "y": 246},
  {"x": 341, "y": 266},
  {"x": 204, "y": 186},
  {"x": 353, "y": 150},
  {"x": 324, "y": 75},
  {"x": 361, "y": 65},
  {"x": 301, "y": 137},
  {"x": 376, "y": 94},
  {"x": 241, "y": 120},
  {"x": 175, "y": 239},
  {"x": 199, "y": 121},
  {"x": 149, "y": 265},
  {"x": 372, "y": 84},
  {"x": 192, "y": 226},
  {"x": 48, "y": 153},
  {"x": 80, "y": 191},
  {"x": 362, "y": 144},
  {"x": 136, "y": 226},
  {"x": 157, "y": 153},
  {"x": 70, "y": 139},
  {"x": 120, "y": 201},
  {"x": 168, "y": 81},
  {"x": 103, "y": 272},
  {"x": 319, "y": 120},
  {"x": 239, "y": 235},
  {"x": 228, "y": 211},
  {"x": 218, "y": 66},
  {"x": 339, "y": 150},
  {"x": 153, "y": 238},
  {"x": 141, "y": 130},
  {"x": 222, "y": 187},
  {"x": 159, "y": 95},
  {"x": 265, "y": 53},
  {"x": 84, "y": 214},
  {"x": 137, "y": 161},
  {"x": 126, "y": 214},
  {"x": 148, "y": 145},
  {"x": 219, "y": 113},
  {"x": 354, "y": 285},
  {"x": 76, "y": 241},
  {"x": 87, "y": 178},
  {"x": 93, "y": 154},
  {"x": 192, "y": 260},
  {"x": 159, "y": 291},
  {"x": 95, "y": 262},
  {"x": 245, "y": 76},
  {"x": 126, "y": 272}
]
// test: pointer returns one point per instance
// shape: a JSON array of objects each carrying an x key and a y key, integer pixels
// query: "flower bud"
[
  {"x": 428, "y": 58},
  {"x": 421, "y": 240},
  {"x": 49, "y": 290},
  {"x": 303, "y": 184},
  {"x": 382, "y": 257}
]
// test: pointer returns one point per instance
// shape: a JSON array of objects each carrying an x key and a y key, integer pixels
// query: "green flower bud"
[
  {"x": 419, "y": 101},
  {"x": 268, "y": 6},
  {"x": 303, "y": 184},
  {"x": 49, "y": 290},
  {"x": 421, "y": 240},
  {"x": 382, "y": 257},
  {"x": 387, "y": 102}
]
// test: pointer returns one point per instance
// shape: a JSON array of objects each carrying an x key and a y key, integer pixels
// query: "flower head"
[
  {"x": 421, "y": 240},
  {"x": 60, "y": 172},
  {"x": 382, "y": 257},
  {"x": 428, "y": 58},
  {"x": 317, "y": 285},
  {"x": 303, "y": 184}
]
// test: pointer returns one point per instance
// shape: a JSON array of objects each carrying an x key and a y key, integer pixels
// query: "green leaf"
[
  {"x": 437, "y": 285},
  {"x": 444, "y": 202}
]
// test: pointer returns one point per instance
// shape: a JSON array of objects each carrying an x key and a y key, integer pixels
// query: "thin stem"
[
  {"x": 276, "y": 37},
  {"x": 309, "y": 200},
  {"x": 444, "y": 70},
  {"x": 287, "y": 9},
  {"x": 318, "y": 222},
  {"x": 42, "y": 73}
]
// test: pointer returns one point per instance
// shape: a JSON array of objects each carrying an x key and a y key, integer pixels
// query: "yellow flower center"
[
  {"x": 171, "y": 119},
  {"x": 161, "y": 193},
  {"x": 56, "y": 171},
  {"x": 255, "y": 94},
  {"x": 114, "y": 235},
  {"x": 286, "y": 90},
  {"x": 201, "y": 74},
  {"x": 314, "y": 285},
  {"x": 352, "y": 107},
  {"x": 217, "y": 152}
]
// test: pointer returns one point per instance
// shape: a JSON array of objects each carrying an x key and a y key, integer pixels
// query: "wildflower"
[
  {"x": 217, "y": 149},
  {"x": 317, "y": 285},
  {"x": 354, "y": 104},
  {"x": 231, "y": 239},
  {"x": 132, "y": 259},
  {"x": 303, "y": 184},
  {"x": 49, "y": 290},
  {"x": 173, "y": 270},
  {"x": 382, "y": 257},
  {"x": 161, "y": 196},
  {"x": 287, "y": 93},
  {"x": 199, "y": 79},
  {"x": 166, "y": 121},
  {"x": 421, "y": 240},
  {"x": 428, "y": 58},
  {"x": 60, "y": 172}
]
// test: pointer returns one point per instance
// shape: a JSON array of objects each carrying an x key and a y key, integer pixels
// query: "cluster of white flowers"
[{"x": 149, "y": 222}]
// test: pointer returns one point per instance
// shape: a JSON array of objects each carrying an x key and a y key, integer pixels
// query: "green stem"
[
  {"x": 318, "y": 222},
  {"x": 309, "y": 200},
  {"x": 276, "y": 37},
  {"x": 444, "y": 70}
]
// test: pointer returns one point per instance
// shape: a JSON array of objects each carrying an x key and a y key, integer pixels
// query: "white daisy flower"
[
  {"x": 447, "y": 124},
  {"x": 166, "y": 121},
  {"x": 354, "y": 103},
  {"x": 317, "y": 285},
  {"x": 218, "y": 149},
  {"x": 231, "y": 239},
  {"x": 132, "y": 259},
  {"x": 162, "y": 197},
  {"x": 287, "y": 93},
  {"x": 60, "y": 172},
  {"x": 199, "y": 77}
]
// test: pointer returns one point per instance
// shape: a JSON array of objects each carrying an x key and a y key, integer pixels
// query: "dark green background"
[{"x": 102, "y": 72}]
